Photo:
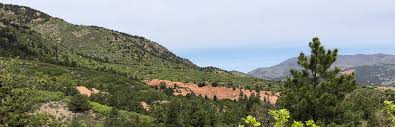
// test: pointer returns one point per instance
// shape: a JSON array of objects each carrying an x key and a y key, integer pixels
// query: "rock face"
[
  {"x": 348, "y": 63},
  {"x": 183, "y": 89}
]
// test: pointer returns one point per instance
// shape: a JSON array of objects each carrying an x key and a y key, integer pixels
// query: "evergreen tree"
[
  {"x": 76, "y": 122},
  {"x": 114, "y": 119},
  {"x": 316, "y": 90},
  {"x": 169, "y": 91},
  {"x": 79, "y": 103},
  {"x": 215, "y": 84},
  {"x": 162, "y": 86},
  {"x": 172, "y": 115}
]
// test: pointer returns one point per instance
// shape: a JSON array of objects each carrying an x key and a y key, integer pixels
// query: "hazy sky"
[{"x": 238, "y": 34}]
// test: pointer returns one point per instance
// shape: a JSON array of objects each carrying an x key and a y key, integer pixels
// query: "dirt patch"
[
  {"x": 87, "y": 92},
  {"x": 383, "y": 88},
  {"x": 347, "y": 71},
  {"x": 58, "y": 111},
  {"x": 81, "y": 33},
  {"x": 209, "y": 91},
  {"x": 147, "y": 106}
]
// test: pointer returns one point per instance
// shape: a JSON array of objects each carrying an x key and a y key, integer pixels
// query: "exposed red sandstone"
[{"x": 220, "y": 92}]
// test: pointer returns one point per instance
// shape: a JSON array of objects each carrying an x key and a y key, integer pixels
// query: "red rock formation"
[{"x": 209, "y": 91}]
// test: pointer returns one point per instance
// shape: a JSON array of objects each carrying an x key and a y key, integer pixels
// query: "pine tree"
[
  {"x": 79, "y": 103},
  {"x": 169, "y": 91},
  {"x": 316, "y": 90},
  {"x": 173, "y": 114},
  {"x": 115, "y": 119}
]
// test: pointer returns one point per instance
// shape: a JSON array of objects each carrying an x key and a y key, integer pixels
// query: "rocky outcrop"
[{"x": 220, "y": 92}]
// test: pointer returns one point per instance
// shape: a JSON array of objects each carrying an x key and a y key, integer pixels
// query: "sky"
[{"x": 238, "y": 34}]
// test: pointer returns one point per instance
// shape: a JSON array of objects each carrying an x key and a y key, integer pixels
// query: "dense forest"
[{"x": 43, "y": 60}]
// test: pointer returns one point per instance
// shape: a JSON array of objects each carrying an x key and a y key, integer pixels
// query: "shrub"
[
  {"x": 250, "y": 120},
  {"x": 390, "y": 109},
  {"x": 97, "y": 107},
  {"x": 79, "y": 103},
  {"x": 214, "y": 84},
  {"x": 281, "y": 119},
  {"x": 162, "y": 86},
  {"x": 249, "y": 87},
  {"x": 169, "y": 91},
  {"x": 201, "y": 84},
  {"x": 280, "y": 116}
]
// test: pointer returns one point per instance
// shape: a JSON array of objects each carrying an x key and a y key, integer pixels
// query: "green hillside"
[
  {"x": 44, "y": 58},
  {"x": 31, "y": 34},
  {"x": 32, "y": 84},
  {"x": 53, "y": 73}
]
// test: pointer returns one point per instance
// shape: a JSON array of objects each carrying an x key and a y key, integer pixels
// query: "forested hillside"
[
  {"x": 47, "y": 58},
  {"x": 32, "y": 34}
]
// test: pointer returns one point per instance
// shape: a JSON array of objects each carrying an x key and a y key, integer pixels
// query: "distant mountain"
[
  {"x": 373, "y": 69},
  {"x": 239, "y": 73},
  {"x": 379, "y": 74}
]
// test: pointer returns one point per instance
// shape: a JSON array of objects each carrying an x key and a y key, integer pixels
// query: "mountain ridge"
[
  {"x": 56, "y": 41},
  {"x": 50, "y": 27},
  {"x": 344, "y": 62}
]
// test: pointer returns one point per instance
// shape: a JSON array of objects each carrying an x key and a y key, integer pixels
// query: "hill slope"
[
  {"x": 56, "y": 57},
  {"x": 379, "y": 74},
  {"x": 89, "y": 41},
  {"x": 31, "y": 34},
  {"x": 358, "y": 63}
]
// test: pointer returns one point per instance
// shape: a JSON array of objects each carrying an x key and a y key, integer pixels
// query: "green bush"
[
  {"x": 99, "y": 108},
  {"x": 79, "y": 103},
  {"x": 201, "y": 84},
  {"x": 162, "y": 86},
  {"x": 169, "y": 91},
  {"x": 214, "y": 84}
]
